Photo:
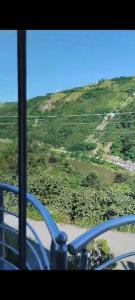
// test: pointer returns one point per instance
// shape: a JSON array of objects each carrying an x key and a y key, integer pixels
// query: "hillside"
[
  {"x": 78, "y": 140},
  {"x": 102, "y": 113}
]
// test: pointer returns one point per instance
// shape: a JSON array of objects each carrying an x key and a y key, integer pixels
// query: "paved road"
[{"x": 119, "y": 242}]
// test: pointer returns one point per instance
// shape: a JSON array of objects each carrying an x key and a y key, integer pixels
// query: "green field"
[{"x": 107, "y": 175}]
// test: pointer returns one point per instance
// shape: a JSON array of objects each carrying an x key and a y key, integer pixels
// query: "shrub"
[
  {"x": 91, "y": 146},
  {"x": 82, "y": 147},
  {"x": 126, "y": 145},
  {"x": 119, "y": 178},
  {"x": 92, "y": 180},
  {"x": 70, "y": 169},
  {"x": 53, "y": 159},
  {"x": 98, "y": 253},
  {"x": 115, "y": 148},
  {"x": 132, "y": 155}
]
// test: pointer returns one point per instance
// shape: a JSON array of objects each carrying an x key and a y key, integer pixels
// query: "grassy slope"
[
  {"x": 108, "y": 96},
  {"x": 63, "y": 130}
]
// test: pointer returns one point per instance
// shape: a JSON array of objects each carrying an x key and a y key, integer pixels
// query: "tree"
[
  {"x": 92, "y": 180},
  {"x": 126, "y": 122},
  {"x": 126, "y": 145},
  {"x": 119, "y": 178},
  {"x": 53, "y": 159},
  {"x": 82, "y": 147}
]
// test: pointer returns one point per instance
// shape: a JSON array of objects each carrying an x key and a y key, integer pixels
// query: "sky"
[{"x": 63, "y": 59}]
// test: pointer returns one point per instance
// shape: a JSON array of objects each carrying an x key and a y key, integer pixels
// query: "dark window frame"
[{"x": 22, "y": 144}]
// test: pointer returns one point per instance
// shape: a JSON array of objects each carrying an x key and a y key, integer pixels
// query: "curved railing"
[
  {"x": 51, "y": 225},
  {"x": 58, "y": 238},
  {"x": 114, "y": 260},
  {"x": 44, "y": 263},
  {"x": 58, "y": 252},
  {"x": 80, "y": 244}
]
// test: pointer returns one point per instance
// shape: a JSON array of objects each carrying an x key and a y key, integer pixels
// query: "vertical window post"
[
  {"x": 22, "y": 163},
  {"x": 2, "y": 248}
]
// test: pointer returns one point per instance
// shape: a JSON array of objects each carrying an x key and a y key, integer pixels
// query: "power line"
[
  {"x": 74, "y": 123},
  {"x": 73, "y": 115},
  {"x": 118, "y": 131},
  {"x": 77, "y": 123},
  {"x": 82, "y": 115},
  {"x": 92, "y": 130},
  {"x": 81, "y": 123}
]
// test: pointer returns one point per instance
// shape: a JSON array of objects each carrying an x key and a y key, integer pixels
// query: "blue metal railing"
[
  {"x": 59, "y": 249},
  {"x": 83, "y": 240},
  {"x": 45, "y": 262},
  {"x": 114, "y": 260},
  {"x": 80, "y": 244},
  {"x": 51, "y": 225}
]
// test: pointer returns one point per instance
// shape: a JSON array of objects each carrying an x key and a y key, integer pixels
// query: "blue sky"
[{"x": 62, "y": 59}]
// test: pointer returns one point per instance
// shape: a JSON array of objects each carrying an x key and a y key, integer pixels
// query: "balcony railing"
[{"x": 56, "y": 259}]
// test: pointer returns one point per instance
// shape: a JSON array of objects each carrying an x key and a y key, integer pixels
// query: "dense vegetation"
[{"x": 67, "y": 136}]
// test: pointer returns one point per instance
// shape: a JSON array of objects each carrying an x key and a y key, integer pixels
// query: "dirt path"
[
  {"x": 126, "y": 164},
  {"x": 59, "y": 150},
  {"x": 107, "y": 147},
  {"x": 102, "y": 125}
]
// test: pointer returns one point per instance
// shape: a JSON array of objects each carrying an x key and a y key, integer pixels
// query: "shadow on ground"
[{"x": 128, "y": 265}]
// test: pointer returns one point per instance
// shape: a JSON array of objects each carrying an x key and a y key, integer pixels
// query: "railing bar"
[
  {"x": 46, "y": 260},
  {"x": 84, "y": 259},
  {"x": 2, "y": 252},
  {"x": 82, "y": 241},
  {"x": 36, "y": 255},
  {"x": 113, "y": 260},
  {"x": 10, "y": 247},
  {"x": 14, "y": 250},
  {"x": 9, "y": 263},
  {"x": 27, "y": 242},
  {"x": 28, "y": 266},
  {"x": 50, "y": 223},
  {"x": 45, "y": 257}
]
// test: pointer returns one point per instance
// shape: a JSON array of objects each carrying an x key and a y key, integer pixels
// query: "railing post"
[
  {"x": 61, "y": 252},
  {"x": 2, "y": 249},
  {"x": 84, "y": 259},
  {"x": 52, "y": 255}
]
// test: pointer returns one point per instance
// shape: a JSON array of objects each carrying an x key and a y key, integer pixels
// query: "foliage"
[
  {"x": 120, "y": 177},
  {"x": 71, "y": 192},
  {"x": 126, "y": 145},
  {"x": 53, "y": 159},
  {"x": 82, "y": 147},
  {"x": 98, "y": 253},
  {"x": 92, "y": 180}
]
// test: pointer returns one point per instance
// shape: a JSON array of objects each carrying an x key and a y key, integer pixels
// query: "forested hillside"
[{"x": 78, "y": 140}]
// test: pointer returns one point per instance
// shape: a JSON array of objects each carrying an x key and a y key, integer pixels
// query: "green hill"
[
  {"x": 71, "y": 135},
  {"x": 78, "y": 116}
]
